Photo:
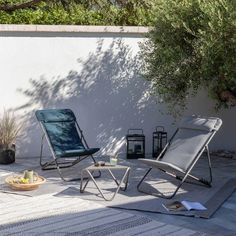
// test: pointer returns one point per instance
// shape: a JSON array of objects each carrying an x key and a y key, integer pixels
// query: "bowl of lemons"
[{"x": 18, "y": 182}]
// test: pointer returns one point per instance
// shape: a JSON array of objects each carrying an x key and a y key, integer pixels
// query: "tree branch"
[
  {"x": 229, "y": 97},
  {"x": 9, "y": 8}
]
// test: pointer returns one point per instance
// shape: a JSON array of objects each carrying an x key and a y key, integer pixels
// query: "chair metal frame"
[
  {"x": 186, "y": 174},
  {"x": 55, "y": 164}
]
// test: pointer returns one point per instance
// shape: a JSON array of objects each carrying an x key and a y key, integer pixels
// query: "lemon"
[{"x": 24, "y": 181}]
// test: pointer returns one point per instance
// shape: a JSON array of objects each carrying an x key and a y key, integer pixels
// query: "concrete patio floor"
[{"x": 223, "y": 222}]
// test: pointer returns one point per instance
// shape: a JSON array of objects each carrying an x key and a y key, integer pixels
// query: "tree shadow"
[{"x": 107, "y": 95}]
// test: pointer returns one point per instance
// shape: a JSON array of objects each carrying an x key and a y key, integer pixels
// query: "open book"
[{"x": 184, "y": 206}]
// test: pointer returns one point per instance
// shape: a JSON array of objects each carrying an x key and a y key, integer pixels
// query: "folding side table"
[{"x": 109, "y": 168}]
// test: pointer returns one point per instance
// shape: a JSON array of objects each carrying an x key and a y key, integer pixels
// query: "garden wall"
[{"x": 95, "y": 72}]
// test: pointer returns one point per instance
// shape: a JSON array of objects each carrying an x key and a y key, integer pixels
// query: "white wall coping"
[{"x": 74, "y": 29}]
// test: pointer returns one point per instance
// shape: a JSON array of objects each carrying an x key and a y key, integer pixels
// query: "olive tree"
[{"x": 192, "y": 46}]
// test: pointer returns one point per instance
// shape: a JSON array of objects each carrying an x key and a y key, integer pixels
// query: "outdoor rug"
[
  {"x": 45, "y": 188},
  {"x": 50, "y": 186},
  {"x": 48, "y": 215},
  {"x": 212, "y": 198}
]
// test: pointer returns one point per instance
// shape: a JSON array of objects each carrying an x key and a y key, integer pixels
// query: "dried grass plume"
[{"x": 9, "y": 128}]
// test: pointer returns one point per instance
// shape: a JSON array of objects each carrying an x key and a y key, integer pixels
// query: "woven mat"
[
  {"x": 212, "y": 198},
  {"x": 48, "y": 215}
]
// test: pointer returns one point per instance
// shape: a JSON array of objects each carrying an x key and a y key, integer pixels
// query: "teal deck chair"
[
  {"x": 183, "y": 151},
  {"x": 65, "y": 139}
]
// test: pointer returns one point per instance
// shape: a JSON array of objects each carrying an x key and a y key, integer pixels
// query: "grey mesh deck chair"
[
  {"x": 183, "y": 151},
  {"x": 65, "y": 140}
]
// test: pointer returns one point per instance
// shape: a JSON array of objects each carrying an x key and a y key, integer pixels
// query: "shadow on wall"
[{"x": 107, "y": 95}]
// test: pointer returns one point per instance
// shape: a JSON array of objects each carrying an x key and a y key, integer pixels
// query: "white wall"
[{"x": 96, "y": 75}]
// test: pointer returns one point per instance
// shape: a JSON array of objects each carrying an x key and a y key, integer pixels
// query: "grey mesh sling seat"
[
  {"x": 183, "y": 151},
  {"x": 65, "y": 139}
]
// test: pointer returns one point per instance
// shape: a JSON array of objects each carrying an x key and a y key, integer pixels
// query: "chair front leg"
[
  {"x": 160, "y": 195},
  {"x": 209, "y": 164},
  {"x": 138, "y": 186},
  {"x": 41, "y": 151}
]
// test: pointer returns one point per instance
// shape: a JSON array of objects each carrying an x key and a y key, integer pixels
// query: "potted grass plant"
[{"x": 9, "y": 130}]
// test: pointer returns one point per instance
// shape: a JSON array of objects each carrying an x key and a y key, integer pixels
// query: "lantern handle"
[
  {"x": 133, "y": 131},
  {"x": 160, "y": 127}
]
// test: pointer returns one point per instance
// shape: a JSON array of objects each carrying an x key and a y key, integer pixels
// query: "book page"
[
  {"x": 174, "y": 206},
  {"x": 193, "y": 205}
]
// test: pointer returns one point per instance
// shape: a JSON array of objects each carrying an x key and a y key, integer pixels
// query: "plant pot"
[{"x": 7, "y": 154}]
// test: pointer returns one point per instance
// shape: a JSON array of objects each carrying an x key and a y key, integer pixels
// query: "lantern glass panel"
[
  {"x": 135, "y": 144},
  {"x": 159, "y": 140}
]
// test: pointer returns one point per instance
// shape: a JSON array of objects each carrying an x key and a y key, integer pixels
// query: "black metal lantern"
[
  {"x": 135, "y": 141},
  {"x": 159, "y": 140}
]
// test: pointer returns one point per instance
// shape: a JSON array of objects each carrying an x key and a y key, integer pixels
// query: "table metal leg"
[
  {"x": 123, "y": 180},
  {"x": 82, "y": 188}
]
